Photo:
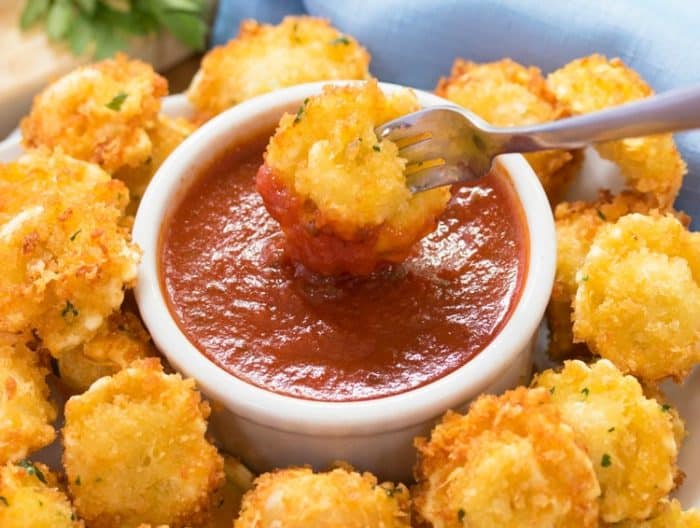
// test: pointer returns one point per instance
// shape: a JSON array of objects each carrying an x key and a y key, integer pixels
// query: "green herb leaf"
[
  {"x": 345, "y": 41},
  {"x": 665, "y": 407},
  {"x": 4, "y": 500},
  {"x": 461, "y": 514},
  {"x": 69, "y": 309},
  {"x": 585, "y": 392},
  {"x": 77, "y": 480},
  {"x": 59, "y": 19},
  {"x": 189, "y": 6},
  {"x": 601, "y": 215},
  {"x": 118, "y": 5},
  {"x": 551, "y": 391},
  {"x": 117, "y": 102},
  {"x": 611, "y": 430},
  {"x": 72, "y": 237},
  {"x": 301, "y": 110},
  {"x": 376, "y": 148},
  {"x": 32, "y": 470},
  {"x": 605, "y": 460},
  {"x": 584, "y": 278},
  {"x": 186, "y": 27},
  {"x": 87, "y": 6},
  {"x": 32, "y": 12},
  {"x": 80, "y": 35}
]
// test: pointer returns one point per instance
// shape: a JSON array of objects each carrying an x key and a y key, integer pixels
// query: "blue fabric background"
[{"x": 414, "y": 42}]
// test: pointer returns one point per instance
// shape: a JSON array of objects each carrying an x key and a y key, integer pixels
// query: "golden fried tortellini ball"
[
  {"x": 165, "y": 136},
  {"x": 650, "y": 164},
  {"x": 120, "y": 340},
  {"x": 263, "y": 58},
  {"x": 26, "y": 413},
  {"x": 630, "y": 438},
  {"x": 136, "y": 451},
  {"x": 66, "y": 251},
  {"x": 99, "y": 113},
  {"x": 300, "y": 498},
  {"x": 576, "y": 226},
  {"x": 337, "y": 190},
  {"x": 30, "y": 497},
  {"x": 505, "y": 93},
  {"x": 638, "y": 297},
  {"x": 510, "y": 461},
  {"x": 669, "y": 514}
]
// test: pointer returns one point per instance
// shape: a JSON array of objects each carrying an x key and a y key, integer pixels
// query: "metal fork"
[{"x": 448, "y": 144}]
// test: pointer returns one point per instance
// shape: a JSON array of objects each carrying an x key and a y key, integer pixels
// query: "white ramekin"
[{"x": 270, "y": 430}]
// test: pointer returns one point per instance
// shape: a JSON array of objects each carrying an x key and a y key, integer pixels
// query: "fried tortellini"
[
  {"x": 30, "y": 497},
  {"x": 511, "y": 461},
  {"x": 505, "y": 93},
  {"x": 631, "y": 439},
  {"x": 263, "y": 58},
  {"x": 337, "y": 190},
  {"x": 136, "y": 451},
  {"x": 99, "y": 113},
  {"x": 66, "y": 248},
  {"x": 26, "y": 412},
  {"x": 300, "y": 498},
  {"x": 650, "y": 164},
  {"x": 638, "y": 297}
]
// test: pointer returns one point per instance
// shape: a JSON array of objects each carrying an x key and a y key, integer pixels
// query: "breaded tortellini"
[
  {"x": 505, "y": 93},
  {"x": 630, "y": 438},
  {"x": 649, "y": 164},
  {"x": 300, "y": 498},
  {"x": 26, "y": 413},
  {"x": 136, "y": 451},
  {"x": 511, "y": 461},
  {"x": 30, "y": 498},
  {"x": 121, "y": 340},
  {"x": 263, "y": 58},
  {"x": 99, "y": 113},
  {"x": 165, "y": 136},
  {"x": 337, "y": 190},
  {"x": 669, "y": 514},
  {"x": 638, "y": 297},
  {"x": 66, "y": 251},
  {"x": 576, "y": 225}
]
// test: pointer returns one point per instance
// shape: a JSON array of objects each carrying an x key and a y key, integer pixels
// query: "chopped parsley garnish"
[
  {"x": 376, "y": 148},
  {"x": 77, "y": 480},
  {"x": 611, "y": 430},
  {"x": 461, "y": 514},
  {"x": 4, "y": 500},
  {"x": 601, "y": 215},
  {"x": 551, "y": 391},
  {"x": 585, "y": 392},
  {"x": 301, "y": 110},
  {"x": 584, "y": 278},
  {"x": 605, "y": 460},
  {"x": 345, "y": 41},
  {"x": 665, "y": 407},
  {"x": 116, "y": 103},
  {"x": 32, "y": 469},
  {"x": 72, "y": 237},
  {"x": 390, "y": 491},
  {"x": 69, "y": 309}
]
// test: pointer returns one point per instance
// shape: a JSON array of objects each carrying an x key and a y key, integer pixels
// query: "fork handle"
[{"x": 670, "y": 111}]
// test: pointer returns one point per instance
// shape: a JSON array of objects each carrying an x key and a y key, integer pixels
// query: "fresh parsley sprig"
[{"x": 105, "y": 26}]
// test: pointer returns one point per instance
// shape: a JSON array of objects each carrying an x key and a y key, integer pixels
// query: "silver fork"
[{"x": 448, "y": 144}]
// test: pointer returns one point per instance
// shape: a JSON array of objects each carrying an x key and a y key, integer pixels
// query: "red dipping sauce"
[{"x": 269, "y": 322}]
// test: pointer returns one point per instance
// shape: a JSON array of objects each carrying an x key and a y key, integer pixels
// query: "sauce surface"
[{"x": 271, "y": 323}]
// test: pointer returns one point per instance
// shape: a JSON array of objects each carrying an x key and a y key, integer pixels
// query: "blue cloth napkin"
[{"x": 414, "y": 42}]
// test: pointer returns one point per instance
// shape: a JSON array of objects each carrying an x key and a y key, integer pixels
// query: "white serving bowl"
[{"x": 269, "y": 430}]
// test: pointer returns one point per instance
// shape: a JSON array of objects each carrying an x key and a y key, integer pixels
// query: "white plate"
[{"x": 595, "y": 173}]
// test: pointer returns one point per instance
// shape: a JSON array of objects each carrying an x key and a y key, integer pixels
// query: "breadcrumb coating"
[
  {"x": 338, "y": 192},
  {"x": 638, "y": 297},
  {"x": 576, "y": 226},
  {"x": 121, "y": 340},
  {"x": 26, "y": 413},
  {"x": 136, "y": 452},
  {"x": 669, "y": 514},
  {"x": 300, "y": 498},
  {"x": 66, "y": 254},
  {"x": 511, "y": 461},
  {"x": 30, "y": 497},
  {"x": 99, "y": 113},
  {"x": 165, "y": 136},
  {"x": 650, "y": 164},
  {"x": 263, "y": 58},
  {"x": 505, "y": 93},
  {"x": 630, "y": 438}
]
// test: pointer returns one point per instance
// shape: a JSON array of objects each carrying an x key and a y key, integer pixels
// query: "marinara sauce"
[{"x": 270, "y": 322}]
